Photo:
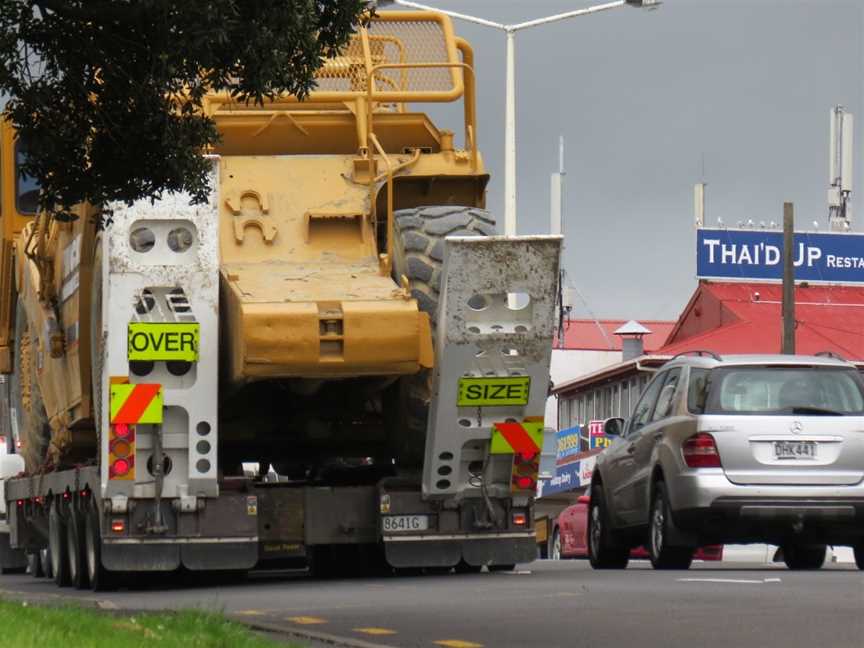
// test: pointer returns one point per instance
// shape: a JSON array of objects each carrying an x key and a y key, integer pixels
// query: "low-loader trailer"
[{"x": 338, "y": 313}]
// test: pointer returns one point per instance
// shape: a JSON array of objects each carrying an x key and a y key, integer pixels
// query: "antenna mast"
[{"x": 840, "y": 171}]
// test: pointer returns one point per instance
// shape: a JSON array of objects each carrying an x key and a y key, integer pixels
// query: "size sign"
[
  {"x": 163, "y": 341},
  {"x": 491, "y": 392}
]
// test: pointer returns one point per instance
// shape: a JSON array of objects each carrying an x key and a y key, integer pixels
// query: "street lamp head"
[{"x": 645, "y": 4}]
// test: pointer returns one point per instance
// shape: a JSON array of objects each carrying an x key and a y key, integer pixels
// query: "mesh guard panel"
[{"x": 410, "y": 42}]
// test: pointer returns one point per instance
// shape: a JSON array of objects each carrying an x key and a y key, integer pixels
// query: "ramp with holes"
[
  {"x": 161, "y": 328},
  {"x": 493, "y": 344}
]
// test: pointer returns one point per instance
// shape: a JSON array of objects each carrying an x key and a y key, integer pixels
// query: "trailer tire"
[
  {"x": 418, "y": 255},
  {"x": 31, "y": 418},
  {"x": 501, "y": 568},
  {"x": 463, "y": 567},
  {"x": 45, "y": 562},
  {"x": 34, "y": 565},
  {"x": 75, "y": 549},
  {"x": 57, "y": 545},
  {"x": 101, "y": 579}
]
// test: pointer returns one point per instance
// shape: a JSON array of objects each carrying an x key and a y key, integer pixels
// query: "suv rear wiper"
[{"x": 820, "y": 411}]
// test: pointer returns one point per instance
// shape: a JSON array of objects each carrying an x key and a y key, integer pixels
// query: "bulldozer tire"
[
  {"x": 30, "y": 417},
  {"x": 418, "y": 254}
]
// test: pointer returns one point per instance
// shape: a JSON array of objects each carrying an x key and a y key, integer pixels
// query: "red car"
[{"x": 570, "y": 536}]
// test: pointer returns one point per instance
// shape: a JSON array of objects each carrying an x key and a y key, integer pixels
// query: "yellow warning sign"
[
  {"x": 491, "y": 392},
  {"x": 152, "y": 342}
]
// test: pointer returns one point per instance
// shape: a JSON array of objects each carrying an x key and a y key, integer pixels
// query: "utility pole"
[{"x": 788, "y": 279}]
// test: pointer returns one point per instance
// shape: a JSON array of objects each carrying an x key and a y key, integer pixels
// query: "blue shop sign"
[
  {"x": 566, "y": 479},
  {"x": 758, "y": 254}
]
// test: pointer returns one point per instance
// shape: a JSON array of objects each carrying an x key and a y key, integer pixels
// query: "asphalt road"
[{"x": 550, "y": 604}]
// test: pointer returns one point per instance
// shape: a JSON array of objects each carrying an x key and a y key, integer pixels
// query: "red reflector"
[
  {"x": 527, "y": 456},
  {"x": 122, "y": 430},
  {"x": 700, "y": 451},
  {"x": 525, "y": 483},
  {"x": 120, "y": 467},
  {"x": 118, "y": 526},
  {"x": 519, "y": 519}
]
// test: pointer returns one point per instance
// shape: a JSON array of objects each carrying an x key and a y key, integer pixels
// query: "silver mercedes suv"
[{"x": 738, "y": 449}]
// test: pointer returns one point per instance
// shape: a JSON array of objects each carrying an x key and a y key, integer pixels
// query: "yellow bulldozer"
[{"x": 297, "y": 322}]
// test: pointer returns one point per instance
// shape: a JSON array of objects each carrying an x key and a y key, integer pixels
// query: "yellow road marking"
[
  {"x": 375, "y": 631},
  {"x": 306, "y": 620},
  {"x": 251, "y": 613},
  {"x": 457, "y": 643}
]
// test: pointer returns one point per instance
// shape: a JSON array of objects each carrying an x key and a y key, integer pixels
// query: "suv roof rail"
[
  {"x": 698, "y": 352},
  {"x": 830, "y": 354}
]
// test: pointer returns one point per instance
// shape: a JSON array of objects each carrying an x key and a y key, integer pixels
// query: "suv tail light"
[{"x": 700, "y": 451}]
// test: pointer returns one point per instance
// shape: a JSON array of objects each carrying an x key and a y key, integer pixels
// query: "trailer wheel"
[
  {"x": 100, "y": 578},
  {"x": 57, "y": 545},
  {"x": 463, "y": 567},
  {"x": 502, "y": 568},
  {"x": 34, "y": 565},
  {"x": 45, "y": 562},
  {"x": 75, "y": 549},
  {"x": 30, "y": 417},
  {"x": 418, "y": 254}
]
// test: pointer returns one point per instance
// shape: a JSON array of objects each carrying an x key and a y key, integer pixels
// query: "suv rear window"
[{"x": 781, "y": 390}]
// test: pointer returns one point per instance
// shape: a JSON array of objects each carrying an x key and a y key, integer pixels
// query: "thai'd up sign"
[{"x": 758, "y": 254}]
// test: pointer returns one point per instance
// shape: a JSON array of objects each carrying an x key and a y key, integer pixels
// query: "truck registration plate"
[
  {"x": 795, "y": 449},
  {"x": 486, "y": 392},
  {"x": 404, "y": 523}
]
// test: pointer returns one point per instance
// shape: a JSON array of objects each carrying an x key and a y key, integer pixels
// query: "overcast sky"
[{"x": 641, "y": 97}]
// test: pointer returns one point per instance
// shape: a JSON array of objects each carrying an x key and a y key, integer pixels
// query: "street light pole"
[
  {"x": 510, "y": 138},
  {"x": 510, "y": 91}
]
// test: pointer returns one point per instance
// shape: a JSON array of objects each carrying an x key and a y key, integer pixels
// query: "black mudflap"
[
  {"x": 423, "y": 553},
  {"x": 499, "y": 551}
]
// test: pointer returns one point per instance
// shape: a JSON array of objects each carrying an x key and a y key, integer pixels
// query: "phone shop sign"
[{"x": 758, "y": 254}]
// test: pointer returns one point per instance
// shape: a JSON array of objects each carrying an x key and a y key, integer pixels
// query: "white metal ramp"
[{"x": 492, "y": 360}]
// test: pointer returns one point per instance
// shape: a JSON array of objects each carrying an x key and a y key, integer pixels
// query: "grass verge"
[{"x": 24, "y": 625}]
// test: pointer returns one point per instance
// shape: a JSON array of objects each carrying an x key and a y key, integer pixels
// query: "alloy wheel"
[
  {"x": 658, "y": 521},
  {"x": 556, "y": 546},
  {"x": 596, "y": 530}
]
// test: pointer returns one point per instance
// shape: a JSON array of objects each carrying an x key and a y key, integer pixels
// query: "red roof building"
[
  {"x": 599, "y": 335},
  {"x": 746, "y": 318},
  {"x": 726, "y": 318}
]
